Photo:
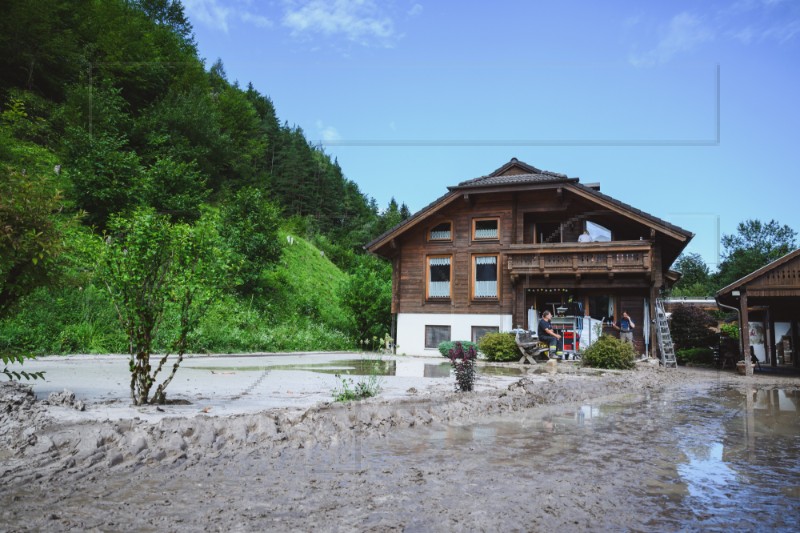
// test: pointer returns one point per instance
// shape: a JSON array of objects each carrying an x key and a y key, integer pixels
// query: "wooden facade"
[
  {"x": 521, "y": 225},
  {"x": 769, "y": 296}
]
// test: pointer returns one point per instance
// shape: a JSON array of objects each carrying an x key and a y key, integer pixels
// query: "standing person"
[
  {"x": 548, "y": 335},
  {"x": 625, "y": 327},
  {"x": 585, "y": 237}
]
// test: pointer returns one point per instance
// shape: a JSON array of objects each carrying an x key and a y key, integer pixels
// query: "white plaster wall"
[{"x": 411, "y": 329}]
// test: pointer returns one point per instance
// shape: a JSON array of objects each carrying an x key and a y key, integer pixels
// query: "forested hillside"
[{"x": 108, "y": 116}]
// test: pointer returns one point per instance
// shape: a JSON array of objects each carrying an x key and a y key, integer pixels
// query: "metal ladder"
[{"x": 665, "y": 345}]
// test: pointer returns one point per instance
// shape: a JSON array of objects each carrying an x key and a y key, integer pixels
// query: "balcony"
[{"x": 617, "y": 257}]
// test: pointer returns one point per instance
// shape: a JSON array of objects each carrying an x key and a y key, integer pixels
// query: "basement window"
[{"x": 434, "y": 335}]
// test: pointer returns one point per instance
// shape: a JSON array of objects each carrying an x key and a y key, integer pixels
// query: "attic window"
[
  {"x": 597, "y": 232},
  {"x": 442, "y": 232},
  {"x": 486, "y": 229}
]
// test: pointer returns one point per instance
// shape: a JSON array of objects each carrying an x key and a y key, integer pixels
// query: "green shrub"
[
  {"x": 730, "y": 330},
  {"x": 609, "y": 352},
  {"x": 499, "y": 347},
  {"x": 446, "y": 346},
  {"x": 690, "y": 327},
  {"x": 695, "y": 356}
]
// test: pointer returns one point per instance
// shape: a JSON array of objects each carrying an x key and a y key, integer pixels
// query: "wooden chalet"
[
  {"x": 768, "y": 303},
  {"x": 495, "y": 248}
]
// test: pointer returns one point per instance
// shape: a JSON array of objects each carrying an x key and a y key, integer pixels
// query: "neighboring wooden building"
[
  {"x": 492, "y": 248},
  {"x": 768, "y": 301}
]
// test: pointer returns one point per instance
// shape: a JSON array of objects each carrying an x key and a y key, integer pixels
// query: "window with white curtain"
[
  {"x": 442, "y": 232},
  {"x": 486, "y": 229},
  {"x": 439, "y": 277},
  {"x": 485, "y": 280}
]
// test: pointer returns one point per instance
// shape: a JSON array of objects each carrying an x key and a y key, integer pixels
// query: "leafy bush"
[
  {"x": 367, "y": 295},
  {"x": 446, "y": 346},
  {"x": 730, "y": 330},
  {"x": 499, "y": 346},
  {"x": 463, "y": 363},
  {"x": 695, "y": 356},
  {"x": 690, "y": 327},
  {"x": 609, "y": 352}
]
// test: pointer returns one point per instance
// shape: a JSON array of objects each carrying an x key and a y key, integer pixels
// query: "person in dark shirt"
[
  {"x": 625, "y": 327},
  {"x": 548, "y": 335}
]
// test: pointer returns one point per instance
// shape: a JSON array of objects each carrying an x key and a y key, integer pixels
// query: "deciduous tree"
[{"x": 150, "y": 266}]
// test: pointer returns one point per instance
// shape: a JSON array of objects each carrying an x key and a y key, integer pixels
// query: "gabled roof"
[
  {"x": 513, "y": 173},
  {"x": 517, "y": 173},
  {"x": 758, "y": 273}
]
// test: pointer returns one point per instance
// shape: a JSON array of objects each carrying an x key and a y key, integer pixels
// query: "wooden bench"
[{"x": 530, "y": 347}]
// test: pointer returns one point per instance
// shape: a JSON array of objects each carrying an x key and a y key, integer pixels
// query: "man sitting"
[{"x": 548, "y": 335}]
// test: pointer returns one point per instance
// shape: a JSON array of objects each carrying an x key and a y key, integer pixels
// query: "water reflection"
[
  {"x": 724, "y": 459},
  {"x": 366, "y": 366}
]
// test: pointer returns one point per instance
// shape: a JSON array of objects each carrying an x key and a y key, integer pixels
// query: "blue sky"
[{"x": 687, "y": 110}]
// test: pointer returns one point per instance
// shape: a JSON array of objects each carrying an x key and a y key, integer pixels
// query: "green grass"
[{"x": 303, "y": 314}]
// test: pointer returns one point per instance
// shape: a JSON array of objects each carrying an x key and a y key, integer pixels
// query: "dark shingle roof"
[{"x": 512, "y": 179}]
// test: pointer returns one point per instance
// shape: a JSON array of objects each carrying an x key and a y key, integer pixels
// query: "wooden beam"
[{"x": 744, "y": 333}]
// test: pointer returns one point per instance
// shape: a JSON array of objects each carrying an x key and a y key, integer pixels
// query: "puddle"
[
  {"x": 365, "y": 367},
  {"x": 724, "y": 460},
  {"x": 354, "y": 367}
]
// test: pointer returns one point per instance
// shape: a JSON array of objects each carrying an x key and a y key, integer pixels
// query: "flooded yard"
[{"x": 652, "y": 451}]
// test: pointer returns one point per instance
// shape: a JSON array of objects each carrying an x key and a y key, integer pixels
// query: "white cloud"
[
  {"x": 257, "y": 20},
  {"x": 218, "y": 14},
  {"x": 327, "y": 133},
  {"x": 684, "y": 32},
  {"x": 415, "y": 10},
  {"x": 752, "y": 21},
  {"x": 359, "y": 21}
]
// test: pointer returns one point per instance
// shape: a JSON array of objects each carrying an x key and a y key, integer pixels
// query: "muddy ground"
[{"x": 493, "y": 460}]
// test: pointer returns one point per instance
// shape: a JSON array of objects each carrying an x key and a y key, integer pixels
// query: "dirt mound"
[{"x": 36, "y": 439}]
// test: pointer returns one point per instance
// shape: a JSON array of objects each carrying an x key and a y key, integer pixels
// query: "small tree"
[
  {"x": 149, "y": 266},
  {"x": 690, "y": 327},
  {"x": 367, "y": 294},
  {"x": 30, "y": 241}
]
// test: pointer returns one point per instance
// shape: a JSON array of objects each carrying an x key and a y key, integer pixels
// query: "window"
[
  {"x": 597, "y": 232},
  {"x": 479, "y": 331},
  {"x": 484, "y": 281},
  {"x": 601, "y": 307},
  {"x": 439, "y": 276},
  {"x": 435, "y": 335},
  {"x": 485, "y": 229},
  {"x": 441, "y": 232}
]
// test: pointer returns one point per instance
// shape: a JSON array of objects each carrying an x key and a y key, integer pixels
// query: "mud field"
[{"x": 651, "y": 449}]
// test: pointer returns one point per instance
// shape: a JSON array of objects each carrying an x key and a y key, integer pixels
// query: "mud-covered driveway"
[{"x": 645, "y": 450}]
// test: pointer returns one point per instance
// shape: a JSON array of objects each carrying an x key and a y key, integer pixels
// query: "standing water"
[{"x": 726, "y": 459}]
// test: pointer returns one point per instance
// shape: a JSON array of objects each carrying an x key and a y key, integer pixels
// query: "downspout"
[{"x": 739, "y": 320}]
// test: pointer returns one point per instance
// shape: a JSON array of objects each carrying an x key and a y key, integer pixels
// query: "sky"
[{"x": 687, "y": 110}]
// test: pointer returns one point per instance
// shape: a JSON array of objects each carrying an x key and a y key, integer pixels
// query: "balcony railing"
[{"x": 571, "y": 258}]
